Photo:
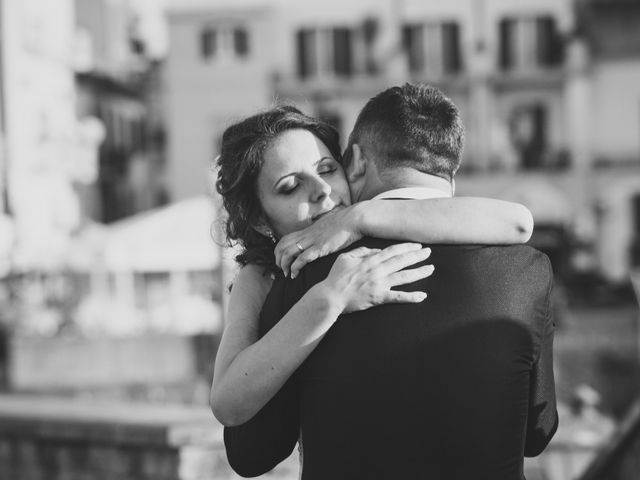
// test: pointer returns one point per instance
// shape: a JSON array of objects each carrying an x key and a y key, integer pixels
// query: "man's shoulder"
[
  {"x": 514, "y": 262},
  {"x": 525, "y": 256},
  {"x": 510, "y": 253}
]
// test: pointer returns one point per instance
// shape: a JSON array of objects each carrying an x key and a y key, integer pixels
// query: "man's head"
[{"x": 415, "y": 129}]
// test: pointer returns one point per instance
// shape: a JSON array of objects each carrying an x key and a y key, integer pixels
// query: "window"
[
  {"x": 528, "y": 129},
  {"x": 433, "y": 48},
  {"x": 224, "y": 41},
  {"x": 342, "y": 53},
  {"x": 208, "y": 43},
  {"x": 326, "y": 51},
  {"x": 451, "y": 57},
  {"x": 549, "y": 42},
  {"x": 306, "y": 49},
  {"x": 413, "y": 43},
  {"x": 635, "y": 245},
  {"x": 529, "y": 43},
  {"x": 240, "y": 42}
]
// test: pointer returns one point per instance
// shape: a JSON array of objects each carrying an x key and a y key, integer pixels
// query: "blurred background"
[{"x": 113, "y": 269}]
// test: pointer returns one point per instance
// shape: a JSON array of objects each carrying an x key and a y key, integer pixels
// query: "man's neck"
[{"x": 405, "y": 178}]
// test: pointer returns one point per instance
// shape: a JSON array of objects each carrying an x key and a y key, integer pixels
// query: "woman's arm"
[
  {"x": 248, "y": 371},
  {"x": 440, "y": 220},
  {"x": 446, "y": 220}
]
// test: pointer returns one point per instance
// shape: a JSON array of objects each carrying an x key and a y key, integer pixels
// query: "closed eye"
[
  {"x": 326, "y": 166},
  {"x": 326, "y": 170},
  {"x": 289, "y": 189}
]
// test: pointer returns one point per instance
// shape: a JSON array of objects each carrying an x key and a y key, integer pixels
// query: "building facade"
[
  {"x": 46, "y": 148},
  {"x": 117, "y": 83},
  {"x": 552, "y": 119}
]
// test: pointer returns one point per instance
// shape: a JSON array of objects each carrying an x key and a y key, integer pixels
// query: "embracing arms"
[
  {"x": 456, "y": 220},
  {"x": 249, "y": 371},
  {"x": 446, "y": 220}
]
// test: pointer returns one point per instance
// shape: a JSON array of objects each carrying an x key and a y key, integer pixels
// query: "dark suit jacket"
[{"x": 459, "y": 386}]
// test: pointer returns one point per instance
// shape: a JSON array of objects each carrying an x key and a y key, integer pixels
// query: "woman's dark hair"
[{"x": 240, "y": 161}]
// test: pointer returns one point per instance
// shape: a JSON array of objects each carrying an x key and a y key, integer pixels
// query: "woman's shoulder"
[{"x": 252, "y": 276}]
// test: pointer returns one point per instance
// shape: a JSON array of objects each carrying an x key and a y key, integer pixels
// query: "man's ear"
[{"x": 358, "y": 166}]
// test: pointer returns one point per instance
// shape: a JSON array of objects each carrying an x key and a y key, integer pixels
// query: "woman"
[{"x": 280, "y": 178}]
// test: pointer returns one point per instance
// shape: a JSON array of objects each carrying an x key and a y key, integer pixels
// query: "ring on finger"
[{"x": 299, "y": 247}]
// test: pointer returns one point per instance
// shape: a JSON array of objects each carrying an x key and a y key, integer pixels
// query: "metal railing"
[{"x": 619, "y": 459}]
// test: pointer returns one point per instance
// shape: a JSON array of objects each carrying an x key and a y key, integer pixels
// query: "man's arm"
[{"x": 542, "y": 421}]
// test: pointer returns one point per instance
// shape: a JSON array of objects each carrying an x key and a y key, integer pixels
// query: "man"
[{"x": 457, "y": 387}]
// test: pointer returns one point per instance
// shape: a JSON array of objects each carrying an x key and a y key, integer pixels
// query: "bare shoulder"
[{"x": 252, "y": 278}]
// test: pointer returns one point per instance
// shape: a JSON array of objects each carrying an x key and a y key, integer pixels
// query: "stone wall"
[
  {"x": 49, "y": 438},
  {"x": 49, "y": 363}
]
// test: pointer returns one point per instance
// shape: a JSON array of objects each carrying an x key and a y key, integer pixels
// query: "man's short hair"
[{"x": 414, "y": 126}]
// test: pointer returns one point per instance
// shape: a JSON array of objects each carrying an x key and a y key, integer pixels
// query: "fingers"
[
  {"x": 287, "y": 258},
  {"x": 281, "y": 248},
  {"x": 397, "y": 249},
  {"x": 374, "y": 258},
  {"x": 404, "y": 277},
  {"x": 307, "y": 257},
  {"x": 362, "y": 252},
  {"x": 402, "y": 260},
  {"x": 395, "y": 296},
  {"x": 286, "y": 252}
]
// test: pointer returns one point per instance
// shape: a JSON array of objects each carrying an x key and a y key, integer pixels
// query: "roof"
[
  {"x": 176, "y": 237},
  {"x": 177, "y": 7}
]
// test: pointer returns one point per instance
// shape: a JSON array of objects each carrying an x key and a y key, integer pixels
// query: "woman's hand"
[
  {"x": 362, "y": 278},
  {"x": 330, "y": 233}
]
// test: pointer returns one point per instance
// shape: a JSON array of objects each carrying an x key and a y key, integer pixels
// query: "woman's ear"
[
  {"x": 358, "y": 165},
  {"x": 264, "y": 229}
]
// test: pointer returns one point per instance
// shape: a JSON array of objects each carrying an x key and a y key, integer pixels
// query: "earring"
[{"x": 271, "y": 235}]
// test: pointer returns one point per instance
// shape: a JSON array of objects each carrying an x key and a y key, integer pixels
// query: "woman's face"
[{"x": 299, "y": 181}]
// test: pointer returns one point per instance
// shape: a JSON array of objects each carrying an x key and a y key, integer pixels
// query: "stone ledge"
[{"x": 111, "y": 422}]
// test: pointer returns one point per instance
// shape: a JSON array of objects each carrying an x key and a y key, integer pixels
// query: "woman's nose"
[{"x": 321, "y": 190}]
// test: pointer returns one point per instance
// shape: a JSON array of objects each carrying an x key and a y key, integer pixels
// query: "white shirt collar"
[{"x": 412, "y": 192}]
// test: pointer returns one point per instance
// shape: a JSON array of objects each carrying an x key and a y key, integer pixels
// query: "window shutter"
[
  {"x": 208, "y": 43},
  {"x": 305, "y": 53},
  {"x": 342, "y": 52},
  {"x": 507, "y": 40},
  {"x": 412, "y": 41},
  {"x": 549, "y": 42},
  {"x": 241, "y": 42},
  {"x": 452, "y": 60}
]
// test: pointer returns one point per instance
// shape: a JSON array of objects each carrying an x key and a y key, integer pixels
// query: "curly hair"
[{"x": 239, "y": 164}]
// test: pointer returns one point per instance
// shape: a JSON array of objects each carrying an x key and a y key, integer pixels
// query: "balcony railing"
[{"x": 620, "y": 458}]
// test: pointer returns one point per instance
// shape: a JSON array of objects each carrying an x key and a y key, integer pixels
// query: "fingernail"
[{"x": 293, "y": 275}]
